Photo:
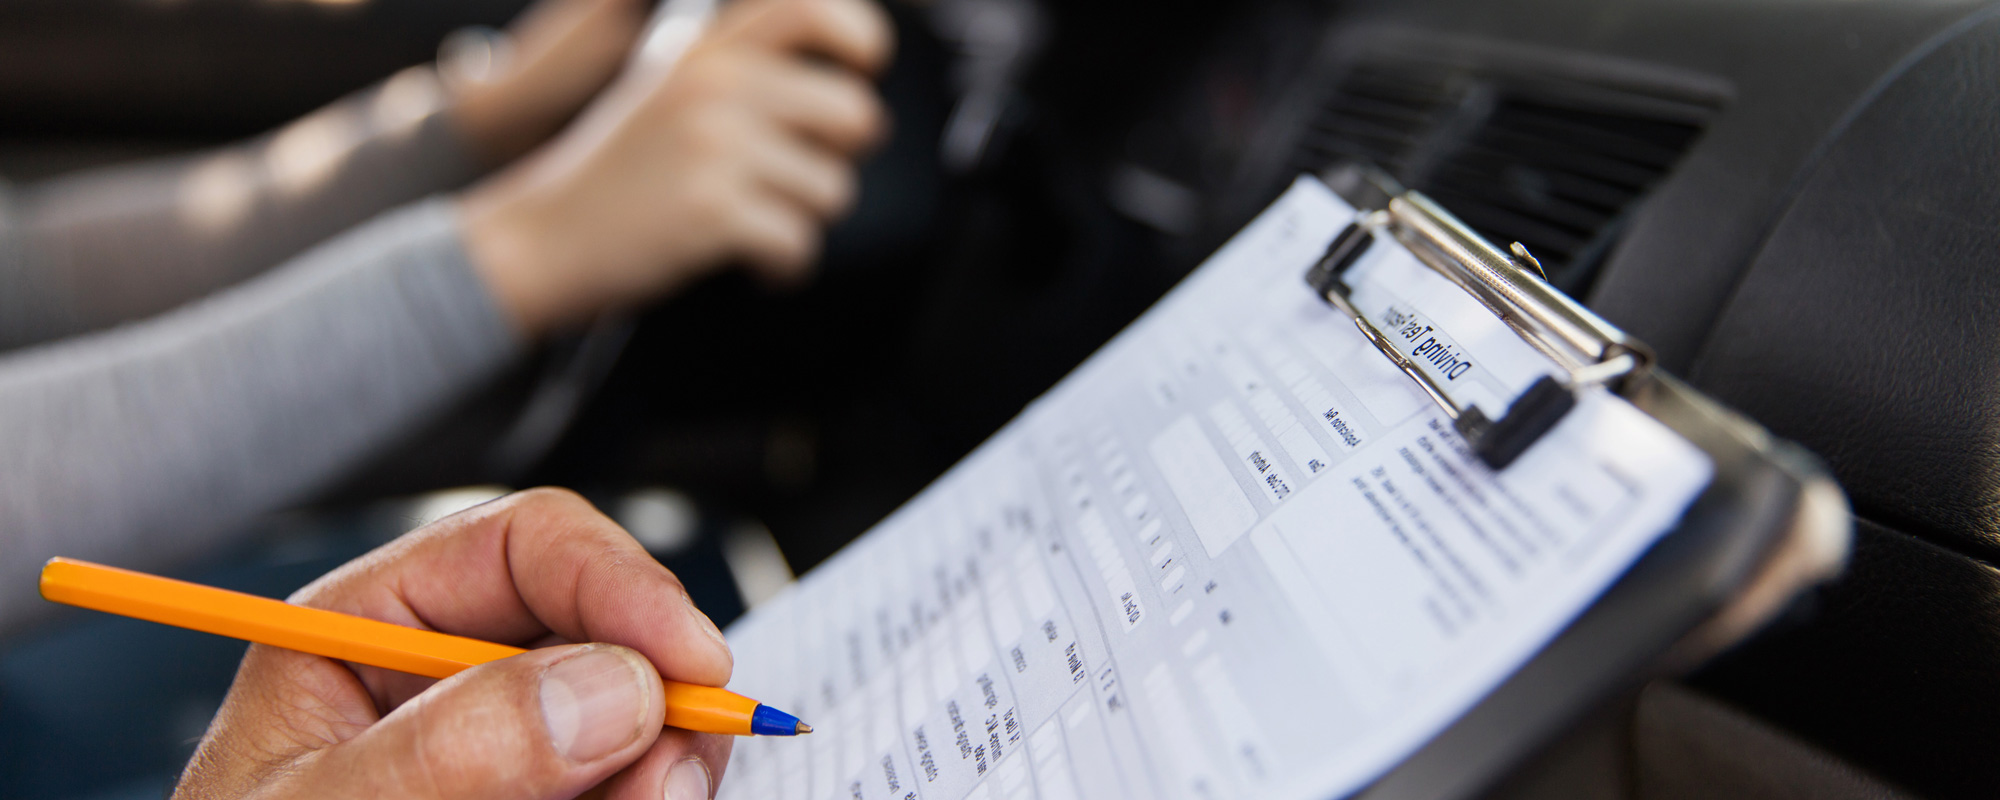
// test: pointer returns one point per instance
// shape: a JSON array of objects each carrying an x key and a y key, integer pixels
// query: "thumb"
[{"x": 544, "y": 724}]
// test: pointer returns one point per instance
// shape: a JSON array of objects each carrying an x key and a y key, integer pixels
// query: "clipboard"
[
  {"x": 1233, "y": 517},
  {"x": 1771, "y": 522}
]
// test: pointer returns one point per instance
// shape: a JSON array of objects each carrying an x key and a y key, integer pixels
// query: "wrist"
[{"x": 508, "y": 245}]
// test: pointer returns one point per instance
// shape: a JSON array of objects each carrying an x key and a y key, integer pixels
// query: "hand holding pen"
[{"x": 540, "y": 568}]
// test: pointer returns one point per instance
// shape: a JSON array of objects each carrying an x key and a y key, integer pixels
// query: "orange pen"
[{"x": 704, "y": 709}]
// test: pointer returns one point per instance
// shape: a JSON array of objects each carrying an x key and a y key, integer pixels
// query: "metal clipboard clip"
[{"x": 1580, "y": 343}]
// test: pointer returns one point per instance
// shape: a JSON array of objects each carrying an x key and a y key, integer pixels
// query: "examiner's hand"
[
  {"x": 539, "y": 567},
  {"x": 740, "y": 152}
]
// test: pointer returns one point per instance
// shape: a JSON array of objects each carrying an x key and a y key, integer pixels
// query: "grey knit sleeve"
[
  {"x": 152, "y": 442},
  {"x": 83, "y": 252}
]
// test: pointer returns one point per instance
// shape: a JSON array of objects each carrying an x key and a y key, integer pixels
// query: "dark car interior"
[{"x": 1796, "y": 203}]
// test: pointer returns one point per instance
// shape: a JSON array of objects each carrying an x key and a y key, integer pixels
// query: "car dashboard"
[{"x": 1793, "y": 202}]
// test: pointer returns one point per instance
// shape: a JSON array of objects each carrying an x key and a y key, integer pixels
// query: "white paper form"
[{"x": 1234, "y": 554}]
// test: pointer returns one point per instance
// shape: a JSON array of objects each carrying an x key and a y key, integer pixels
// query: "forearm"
[
  {"x": 107, "y": 246},
  {"x": 153, "y": 442}
]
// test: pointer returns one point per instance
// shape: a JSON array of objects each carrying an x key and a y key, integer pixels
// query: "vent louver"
[
  {"x": 1555, "y": 169},
  {"x": 1378, "y": 116}
]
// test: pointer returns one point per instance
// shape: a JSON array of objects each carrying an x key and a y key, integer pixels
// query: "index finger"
[
  {"x": 852, "y": 33},
  {"x": 527, "y": 565}
]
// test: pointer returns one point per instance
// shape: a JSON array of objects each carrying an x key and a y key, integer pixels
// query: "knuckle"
[
  {"x": 847, "y": 25},
  {"x": 799, "y": 245},
  {"x": 863, "y": 26},
  {"x": 548, "y": 494},
  {"x": 708, "y": 211},
  {"x": 711, "y": 132},
  {"x": 552, "y": 497},
  {"x": 818, "y": 12},
  {"x": 708, "y": 76},
  {"x": 457, "y": 747},
  {"x": 553, "y": 507},
  {"x": 782, "y": 249},
  {"x": 842, "y": 189},
  {"x": 744, "y": 229},
  {"x": 878, "y": 32},
  {"x": 735, "y": 229},
  {"x": 857, "y": 114}
]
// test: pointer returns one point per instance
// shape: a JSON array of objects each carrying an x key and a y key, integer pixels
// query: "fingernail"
[
  {"x": 688, "y": 781},
  {"x": 707, "y": 625},
  {"x": 592, "y": 703}
]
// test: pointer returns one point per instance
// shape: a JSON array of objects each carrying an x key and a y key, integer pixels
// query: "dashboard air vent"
[
  {"x": 1554, "y": 166},
  {"x": 1378, "y": 116}
]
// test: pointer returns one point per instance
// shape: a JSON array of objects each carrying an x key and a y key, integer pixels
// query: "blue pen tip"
[{"x": 768, "y": 721}]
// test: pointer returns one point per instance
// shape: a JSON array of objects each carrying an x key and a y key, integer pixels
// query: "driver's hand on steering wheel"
[{"x": 740, "y": 153}]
